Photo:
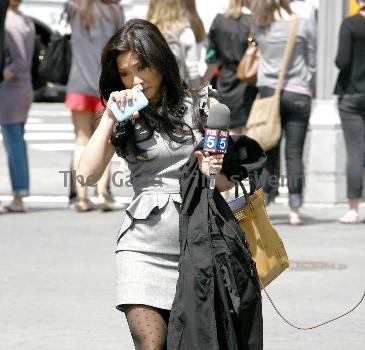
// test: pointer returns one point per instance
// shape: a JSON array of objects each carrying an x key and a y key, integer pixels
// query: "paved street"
[{"x": 57, "y": 266}]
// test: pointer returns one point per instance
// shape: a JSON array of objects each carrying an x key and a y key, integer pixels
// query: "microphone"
[{"x": 216, "y": 135}]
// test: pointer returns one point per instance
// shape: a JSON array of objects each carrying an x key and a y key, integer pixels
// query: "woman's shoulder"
[
  {"x": 356, "y": 21},
  {"x": 218, "y": 19},
  {"x": 17, "y": 21}
]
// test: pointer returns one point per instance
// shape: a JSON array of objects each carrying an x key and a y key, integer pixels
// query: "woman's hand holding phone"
[{"x": 125, "y": 104}]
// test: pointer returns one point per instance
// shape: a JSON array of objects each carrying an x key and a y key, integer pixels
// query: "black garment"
[
  {"x": 351, "y": 56},
  {"x": 294, "y": 111},
  {"x": 217, "y": 305},
  {"x": 228, "y": 37},
  {"x": 3, "y": 7},
  {"x": 350, "y": 87},
  {"x": 352, "y": 113}
]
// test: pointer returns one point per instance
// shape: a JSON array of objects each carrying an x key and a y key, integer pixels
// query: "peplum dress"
[{"x": 147, "y": 252}]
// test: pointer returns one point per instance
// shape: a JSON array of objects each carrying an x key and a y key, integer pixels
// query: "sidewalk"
[{"x": 57, "y": 290}]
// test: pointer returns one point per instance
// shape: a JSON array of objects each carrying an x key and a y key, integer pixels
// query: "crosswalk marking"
[
  {"x": 48, "y": 127},
  {"x": 53, "y": 147},
  {"x": 49, "y": 136},
  {"x": 49, "y": 113},
  {"x": 59, "y": 199}
]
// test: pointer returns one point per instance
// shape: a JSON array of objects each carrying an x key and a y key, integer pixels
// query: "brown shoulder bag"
[{"x": 248, "y": 66}]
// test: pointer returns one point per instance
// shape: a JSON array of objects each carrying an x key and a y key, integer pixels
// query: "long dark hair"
[
  {"x": 152, "y": 50},
  {"x": 263, "y": 11}
]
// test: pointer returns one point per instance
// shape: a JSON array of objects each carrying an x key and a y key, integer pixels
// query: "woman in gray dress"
[
  {"x": 16, "y": 96},
  {"x": 156, "y": 142}
]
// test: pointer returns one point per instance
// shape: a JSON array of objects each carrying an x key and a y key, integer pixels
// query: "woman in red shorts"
[{"x": 92, "y": 24}]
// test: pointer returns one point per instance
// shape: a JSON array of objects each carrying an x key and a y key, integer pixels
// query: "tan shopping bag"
[
  {"x": 264, "y": 122},
  {"x": 264, "y": 242}
]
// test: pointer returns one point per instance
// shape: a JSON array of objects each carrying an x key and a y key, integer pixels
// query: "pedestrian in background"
[
  {"x": 156, "y": 143},
  {"x": 227, "y": 42},
  {"x": 16, "y": 96},
  {"x": 92, "y": 22},
  {"x": 3, "y": 8},
  {"x": 196, "y": 24},
  {"x": 350, "y": 87},
  {"x": 272, "y": 21},
  {"x": 168, "y": 16}
]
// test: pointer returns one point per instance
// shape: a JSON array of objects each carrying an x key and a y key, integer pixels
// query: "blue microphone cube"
[{"x": 216, "y": 141}]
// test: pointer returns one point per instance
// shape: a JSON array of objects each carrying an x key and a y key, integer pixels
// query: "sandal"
[
  {"x": 83, "y": 205},
  {"x": 13, "y": 207},
  {"x": 294, "y": 219},
  {"x": 107, "y": 203},
  {"x": 351, "y": 217}
]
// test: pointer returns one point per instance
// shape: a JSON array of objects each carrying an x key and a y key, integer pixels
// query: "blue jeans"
[{"x": 13, "y": 136}]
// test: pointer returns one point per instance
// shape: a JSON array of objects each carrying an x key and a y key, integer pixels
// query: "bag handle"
[
  {"x": 248, "y": 201},
  {"x": 245, "y": 193},
  {"x": 288, "y": 53}
]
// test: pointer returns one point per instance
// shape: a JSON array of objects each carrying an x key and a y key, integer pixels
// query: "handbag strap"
[
  {"x": 248, "y": 201},
  {"x": 245, "y": 193},
  {"x": 288, "y": 52}
]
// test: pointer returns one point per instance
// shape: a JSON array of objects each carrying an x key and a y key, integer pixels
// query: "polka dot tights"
[{"x": 148, "y": 326}]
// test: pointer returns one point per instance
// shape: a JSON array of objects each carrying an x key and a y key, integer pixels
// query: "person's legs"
[
  {"x": 295, "y": 113},
  {"x": 13, "y": 136},
  {"x": 148, "y": 326},
  {"x": 270, "y": 176},
  {"x": 83, "y": 124},
  {"x": 103, "y": 185},
  {"x": 271, "y": 172},
  {"x": 353, "y": 125}
]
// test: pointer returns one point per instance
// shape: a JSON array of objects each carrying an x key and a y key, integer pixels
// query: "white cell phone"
[{"x": 139, "y": 102}]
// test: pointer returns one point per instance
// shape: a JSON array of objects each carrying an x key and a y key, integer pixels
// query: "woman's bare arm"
[
  {"x": 98, "y": 152},
  {"x": 222, "y": 183}
]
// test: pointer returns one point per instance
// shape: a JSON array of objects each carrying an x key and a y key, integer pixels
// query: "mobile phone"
[{"x": 139, "y": 102}]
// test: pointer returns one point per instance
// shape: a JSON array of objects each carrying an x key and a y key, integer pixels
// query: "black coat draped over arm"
[{"x": 217, "y": 304}]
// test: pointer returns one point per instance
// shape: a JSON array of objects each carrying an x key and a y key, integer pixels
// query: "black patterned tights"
[{"x": 148, "y": 326}]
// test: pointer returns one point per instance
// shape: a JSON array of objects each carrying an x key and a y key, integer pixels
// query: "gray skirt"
[{"x": 147, "y": 255}]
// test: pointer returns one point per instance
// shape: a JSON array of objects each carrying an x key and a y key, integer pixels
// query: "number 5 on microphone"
[
  {"x": 223, "y": 144},
  {"x": 210, "y": 142}
]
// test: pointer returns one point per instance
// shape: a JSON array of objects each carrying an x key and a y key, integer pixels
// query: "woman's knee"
[{"x": 148, "y": 326}]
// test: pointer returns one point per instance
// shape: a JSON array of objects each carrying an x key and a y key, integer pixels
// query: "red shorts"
[{"x": 81, "y": 103}]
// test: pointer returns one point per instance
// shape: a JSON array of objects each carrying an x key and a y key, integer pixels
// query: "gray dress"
[{"x": 148, "y": 241}]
